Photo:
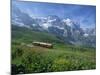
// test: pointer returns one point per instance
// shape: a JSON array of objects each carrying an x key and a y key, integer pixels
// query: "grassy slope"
[
  {"x": 38, "y": 59},
  {"x": 21, "y": 34}
]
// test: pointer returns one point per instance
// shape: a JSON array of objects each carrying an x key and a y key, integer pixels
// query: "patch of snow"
[
  {"x": 18, "y": 23},
  {"x": 62, "y": 28},
  {"x": 52, "y": 20},
  {"x": 65, "y": 33},
  {"x": 68, "y": 22},
  {"x": 45, "y": 25},
  {"x": 85, "y": 35},
  {"x": 33, "y": 24}
]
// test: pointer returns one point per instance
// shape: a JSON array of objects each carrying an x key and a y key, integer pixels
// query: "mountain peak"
[{"x": 68, "y": 22}]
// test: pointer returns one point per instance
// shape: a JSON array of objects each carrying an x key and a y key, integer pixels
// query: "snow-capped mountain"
[
  {"x": 20, "y": 18},
  {"x": 65, "y": 29}
]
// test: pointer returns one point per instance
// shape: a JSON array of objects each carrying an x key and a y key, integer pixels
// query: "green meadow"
[{"x": 36, "y": 59}]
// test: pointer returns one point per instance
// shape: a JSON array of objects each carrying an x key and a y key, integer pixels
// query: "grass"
[
  {"x": 62, "y": 57},
  {"x": 22, "y": 34}
]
